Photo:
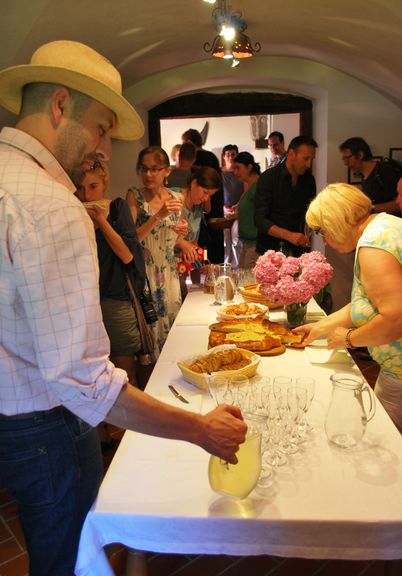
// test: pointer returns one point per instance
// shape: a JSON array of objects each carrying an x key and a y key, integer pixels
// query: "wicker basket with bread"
[{"x": 226, "y": 358}]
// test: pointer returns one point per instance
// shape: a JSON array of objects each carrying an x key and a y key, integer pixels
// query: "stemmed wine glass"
[
  {"x": 297, "y": 400},
  {"x": 272, "y": 456},
  {"x": 309, "y": 384},
  {"x": 281, "y": 384}
]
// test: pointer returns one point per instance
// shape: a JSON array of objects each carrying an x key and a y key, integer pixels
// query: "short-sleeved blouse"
[{"x": 384, "y": 232}]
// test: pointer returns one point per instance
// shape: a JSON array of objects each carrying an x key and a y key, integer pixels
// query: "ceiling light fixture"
[{"x": 230, "y": 42}]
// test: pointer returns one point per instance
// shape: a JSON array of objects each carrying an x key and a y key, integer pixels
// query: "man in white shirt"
[{"x": 57, "y": 382}]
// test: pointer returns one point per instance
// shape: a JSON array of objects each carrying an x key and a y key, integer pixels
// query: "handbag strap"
[{"x": 147, "y": 339}]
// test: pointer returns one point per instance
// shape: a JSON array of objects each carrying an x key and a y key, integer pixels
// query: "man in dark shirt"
[
  {"x": 379, "y": 177},
  {"x": 282, "y": 197}
]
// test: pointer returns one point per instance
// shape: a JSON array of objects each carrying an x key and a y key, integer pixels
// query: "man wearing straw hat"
[{"x": 56, "y": 381}]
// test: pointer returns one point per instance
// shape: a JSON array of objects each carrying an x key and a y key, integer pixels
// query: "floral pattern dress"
[{"x": 161, "y": 268}]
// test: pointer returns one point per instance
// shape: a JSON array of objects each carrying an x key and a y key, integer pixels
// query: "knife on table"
[{"x": 177, "y": 394}]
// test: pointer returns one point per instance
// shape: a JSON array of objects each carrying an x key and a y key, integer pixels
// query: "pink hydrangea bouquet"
[{"x": 290, "y": 280}]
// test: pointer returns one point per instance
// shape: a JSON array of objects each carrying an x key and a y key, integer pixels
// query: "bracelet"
[{"x": 348, "y": 343}]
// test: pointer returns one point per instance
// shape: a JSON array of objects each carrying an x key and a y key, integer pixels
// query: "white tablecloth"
[{"x": 325, "y": 503}]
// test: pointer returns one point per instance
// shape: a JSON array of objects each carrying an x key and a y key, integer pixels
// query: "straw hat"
[{"x": 76, "y": 66}]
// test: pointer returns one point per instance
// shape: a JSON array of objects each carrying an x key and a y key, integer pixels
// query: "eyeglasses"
[
  {"x": 153, "y": 170},
  {"x": 347, "y": 157}
]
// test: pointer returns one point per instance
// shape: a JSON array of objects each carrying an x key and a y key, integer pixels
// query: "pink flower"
[{"x": 290, "y": 280}]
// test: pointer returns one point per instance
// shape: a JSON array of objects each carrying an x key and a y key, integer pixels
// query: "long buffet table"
[{"x": 325, "y": 503}]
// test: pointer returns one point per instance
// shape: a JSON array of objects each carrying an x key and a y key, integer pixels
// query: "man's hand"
[
  {"x": 298, "y": 239},
  {"x": 224, "y": 431}
]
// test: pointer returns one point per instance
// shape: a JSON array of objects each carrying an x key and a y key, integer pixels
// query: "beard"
[{"x": 70, "y": 150}]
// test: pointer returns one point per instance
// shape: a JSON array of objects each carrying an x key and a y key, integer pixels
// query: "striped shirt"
[{"x": 53, "y": 345}]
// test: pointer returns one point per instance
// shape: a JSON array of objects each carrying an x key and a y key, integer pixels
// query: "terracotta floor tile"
[
  {"x": 9, "y": 511},
  {"x": 254, "y": 566},
  {"x": 347, "y": 568},
  {"x": 15, "y": 527},
  {"x": 9, "y": 549},
  {"x": 117, "y": 558},
  {"x": 165, "y": 564},
  {"x": 377, "y": 569},
  {"x": 5, "y": 497},
  {"x": 201, "y": 565},
  {"x": 16, "y": 567},
  {"x": 4, "y": 531}
]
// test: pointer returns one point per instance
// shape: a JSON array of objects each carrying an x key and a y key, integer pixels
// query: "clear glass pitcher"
[
  {"x": 346, "y": 419},
  {"x": 224, "y": 285},
  {"x": 238, "y": 480}
]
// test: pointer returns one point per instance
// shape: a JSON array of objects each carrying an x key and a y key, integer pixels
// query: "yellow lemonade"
[{"x": 237, "y": 479}]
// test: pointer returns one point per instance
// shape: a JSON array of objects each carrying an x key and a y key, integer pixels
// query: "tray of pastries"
[
  {"x": 226, "y": 359},
  {"x": 242, "y": 310},
  {"x": 251, "y": 293},
  {"x": 258, "y": 335}
]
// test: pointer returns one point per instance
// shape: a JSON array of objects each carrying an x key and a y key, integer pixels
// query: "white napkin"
[{"x": 318, "y": 353}]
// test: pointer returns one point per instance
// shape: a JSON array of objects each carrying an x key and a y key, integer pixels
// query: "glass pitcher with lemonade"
[
  {"x": 224, "y": 287},
  {"x": 238, "y": 480}
]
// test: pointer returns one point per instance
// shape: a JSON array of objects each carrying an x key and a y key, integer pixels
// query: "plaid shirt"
[{"x": 53, "y": 345}]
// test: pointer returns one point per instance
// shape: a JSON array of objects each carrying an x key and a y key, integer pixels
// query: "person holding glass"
[
  {"x": 156, "y": 211},
  {"x": 202, "y": 183},
  {"x": 119, "y": 252},
  {"x": 343, "y": 215}
]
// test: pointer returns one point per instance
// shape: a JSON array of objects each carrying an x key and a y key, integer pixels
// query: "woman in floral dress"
[{"x": 156, "y": 212}]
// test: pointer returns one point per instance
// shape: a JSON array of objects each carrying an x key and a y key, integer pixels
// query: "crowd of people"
[{"x": 83, "y": 277}]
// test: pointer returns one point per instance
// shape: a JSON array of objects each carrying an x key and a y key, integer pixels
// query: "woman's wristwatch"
[{"x": 348, "y": 343}]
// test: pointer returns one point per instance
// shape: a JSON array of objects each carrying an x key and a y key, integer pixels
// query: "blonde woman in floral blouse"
[{"x": 156, "y": 211}]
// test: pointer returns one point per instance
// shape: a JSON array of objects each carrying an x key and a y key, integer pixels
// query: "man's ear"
[{"x": 60, "y": 105}]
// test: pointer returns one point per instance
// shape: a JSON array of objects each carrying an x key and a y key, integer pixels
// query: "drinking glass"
[
  {"x": 218, "y": 388},
  {"x": 297, "y": 400},
  {"x": 230, "y": 389},
  {"x": 286, "y": 445},
  {"x": 309, "y": 385},
  {"x": 271, "y": 454}
]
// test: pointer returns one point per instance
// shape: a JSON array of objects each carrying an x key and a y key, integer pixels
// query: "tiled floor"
[{"x": 14, "y": 562}]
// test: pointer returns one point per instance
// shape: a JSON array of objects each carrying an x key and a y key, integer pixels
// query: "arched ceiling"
[{"x": 362, "y": 38}]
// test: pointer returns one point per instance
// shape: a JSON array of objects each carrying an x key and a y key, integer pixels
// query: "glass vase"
[{"x": 296, "y": 314}]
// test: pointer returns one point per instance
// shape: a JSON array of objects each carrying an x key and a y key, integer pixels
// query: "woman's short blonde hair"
[{"x": 337, "y": 209}]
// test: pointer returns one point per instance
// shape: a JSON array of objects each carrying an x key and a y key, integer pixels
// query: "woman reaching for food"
[{"x": 343, "y": 215}]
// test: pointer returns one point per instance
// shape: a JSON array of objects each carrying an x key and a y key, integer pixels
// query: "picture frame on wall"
[
  {"x": 395, "y": 154},
  {"x": 356, "y": 179}
]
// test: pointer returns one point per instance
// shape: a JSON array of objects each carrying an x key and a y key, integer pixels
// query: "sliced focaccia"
[{"x": 255, "y": 334}]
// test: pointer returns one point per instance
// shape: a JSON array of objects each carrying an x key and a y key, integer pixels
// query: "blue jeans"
[{"x": 52, "y": 464}]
